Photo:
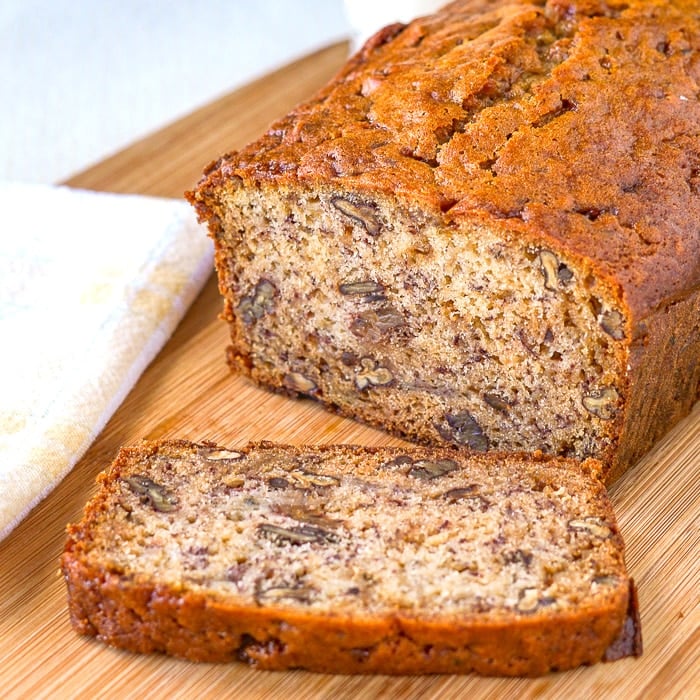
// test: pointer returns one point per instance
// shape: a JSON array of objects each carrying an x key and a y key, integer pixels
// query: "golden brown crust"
[
  {"x": 573, "y": 121},
  {"x": 147, "y": 619},
  {"x": 128, "y": 607}
]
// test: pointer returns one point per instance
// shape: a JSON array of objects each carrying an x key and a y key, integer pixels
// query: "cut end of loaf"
[
  {"x": 351, "y": 559},
  {"x": 466, "y": 335}
]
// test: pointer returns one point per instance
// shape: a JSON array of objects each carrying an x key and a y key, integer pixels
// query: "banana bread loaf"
[
  {"x": 483, "y": 232},
  {"x": 353, "y": 560}
]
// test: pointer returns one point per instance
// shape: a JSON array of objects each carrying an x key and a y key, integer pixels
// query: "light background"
[{"x": 81, "y": 79}]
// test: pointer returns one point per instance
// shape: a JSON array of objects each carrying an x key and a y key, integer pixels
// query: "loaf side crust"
[{"x": 146, "y": 619}]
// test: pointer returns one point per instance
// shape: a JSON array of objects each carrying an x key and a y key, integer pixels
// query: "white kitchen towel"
[{"x": 91, "y": 286}]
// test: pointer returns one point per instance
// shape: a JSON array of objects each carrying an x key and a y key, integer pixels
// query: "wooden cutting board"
[{"x": 189, "y": 392}]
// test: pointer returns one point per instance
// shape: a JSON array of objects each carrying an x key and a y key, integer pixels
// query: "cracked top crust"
[{"x": 576, "y": 122}]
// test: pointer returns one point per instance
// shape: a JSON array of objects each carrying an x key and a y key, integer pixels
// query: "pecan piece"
[
  {"x": 468, "y": 497},
  {"x": 362, "y": 287},
  {"x": 279, "y": 483},
  {"x": 464, "y": 429},
  {"x": 373, "y": 323},
  {"x": 256, "y": 305},
  {"x": 306, "y": 479},
  {"x": 155, "y": 494},
  {"x": 219, "y": 455},
  {"x": 555, "y": 273},
  {"x": 593, "y": 525},
  {"x": 276, "y": 593},
  {"x": 361, "y": 212},
  {"x": 602, "y": 403},
  {"x": 399, "y": 461},
  {"x": 496, "y": 401},
  {"x": 457, "y": 494},
  {"x": 299, "y": 382},
  {"x": 428, "y": 469},
  {"x": 372, "y": 374},
  {"x": 301, "y": 534},
  {"x": 233, "y": 481},
  {"x": 613, "y": 323}
]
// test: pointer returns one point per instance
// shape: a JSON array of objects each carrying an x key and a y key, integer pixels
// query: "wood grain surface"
[{"x": 189, "y": 392}]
